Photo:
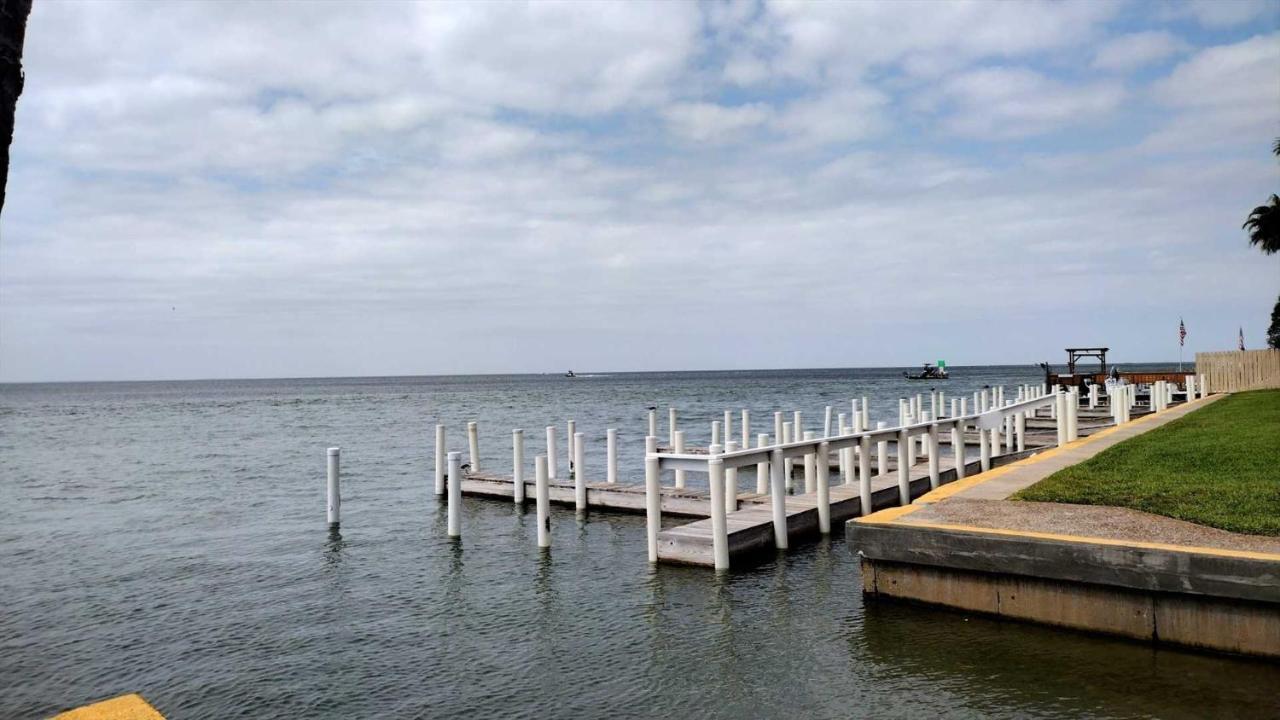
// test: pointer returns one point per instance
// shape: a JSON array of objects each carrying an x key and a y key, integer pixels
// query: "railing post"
[
  {"x": 984, "y": 449},
  {"x": 728, "y": 426},
  {"x": 517, "y": 466},
  {"x": 653, "y": 423},
  {"x": 571, "y": 453},
  {"x": 762, "y": 468},
  {"x": 995, "y": 437},
  {"x": 824, "y": 489},
  {"x": 797, "y": 426},
  {"x": 1060, "y": 415},
  {"x": 652, "y": 495},
  {"x": 934, "y": 474},
  {"x": 778, "y": 499},
  {"x": 957, "y": 448},
  {"x": 719, "y": 533},
  {"x": 679, "y": 448},
  {"x": 731, "y": 480},
  {"x": 671, "y": 427},
  {"x": 551, "y": 453},
  {"x": 826, "y": 422},
  {"x": 746, "y": 428},
  {"x": 810, "y": 464},
  {"x": 864, "y": 474},
  {"x": 542, "y": 497},
  {"x": 904, "y": 468},
  {"x": 611, "y": 456},
  {"x": 715, "y": 432},
  {"x": 866, "y": 414},
  {"x": 882, "y": 451},
  {"x": 579, "y": 473},
  {"x": 1020, "y": 429},
  {"x": 788, "y": 431},
  {"x": 1073, "y": 411}
]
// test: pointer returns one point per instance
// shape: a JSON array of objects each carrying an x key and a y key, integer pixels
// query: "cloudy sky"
[{"x": 272, "y": 189}]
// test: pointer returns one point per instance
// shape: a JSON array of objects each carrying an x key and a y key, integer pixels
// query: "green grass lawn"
[{"x": 1217, "y": 466}]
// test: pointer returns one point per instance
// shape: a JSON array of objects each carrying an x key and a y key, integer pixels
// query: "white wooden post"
[
  {"x": 715, "y": 432},
  {"x": 866, "y": 414},
  {"x": 1020, "y": 429},
  {"x": 473, "y": 444},
  {"x": 957, "y": 448},
  {"x": 984, "y": 449},
  {"x": 778, "y": 498},
  {"x": 719, "y": 533},
  {"x": 762, "y": 468},
  {"x": 679, "y": 448},
  {"x": 824, "y": 489},
  {"x": 542, "y": 496},
  {"x": 955, "y": 407},
  {"x": 882, "y": 451},
  {"x": 935, "y": 477},
  {"x": 797, "y": 427},
  {"x": 1060, "y": 405},
  {"x": 843, "y": 456},
  {"x": 455, "y": 494},
  {"x": 611, "y": 456},
  {"x": 671, "y": 427},
  {"x": 728, "y": 426},
  {"x": 788, "y": 465},
  {"x": 731, "y": 480},
  {"x": 333, "y": 510},
  {"x": 441, "y": 459},
  {"x": 579, "y": 473},
  {"x": 864, "y": 475},
  {"x": 571, "y": 454},
  {"x": 904, "y": 468},
  {"x": 1009, "y": 439},
  {"x": 1093, "y": 396},
  {"x": 826, "y": 422},
  {"x": 1073, "y": 411},
  {"x": 810, "y": 464},
  {"x": 551, "y": 453},
  {"x": 652, "y": 495},
  {"x": 746, "y": 428},
  {"x": 653, "y": 423},
  {"x": 517, "y": 466}
]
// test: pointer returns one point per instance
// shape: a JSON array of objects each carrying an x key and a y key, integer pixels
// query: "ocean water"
[{"x": 170, "y": 539}]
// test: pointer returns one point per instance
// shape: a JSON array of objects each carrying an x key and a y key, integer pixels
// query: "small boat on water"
[
  {"x": 570, "y": 374},
  {"x": 930, "y": 372}
]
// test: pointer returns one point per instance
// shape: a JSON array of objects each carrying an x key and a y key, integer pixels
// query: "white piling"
[
  {"x": 996, "y": 446},
  {"x": 935, "y": 477},
  {"x": 517, "y": 466},
  {"x": 984, "y": 449},
  {"x": 715, "y": 432},
  {"x": 957, "y": 449},
  {"x": 551, "y": 452},
  {"x": 455, "y": 494},
  {"x": 652, "y": 495},
  {"x": 679, "y": 448},
  {"x": 441, "y": 459},
  {"x": 728, "y": 426},
  {"x": 1060, "y": 412},
  {"x": 473, "y": 444},
  {"x": 824, "y": 489},
  {"x": 778, "y": 499},
  {"x": 933, "y": 403},
  {"x": 882, "y": 451},
  {"x": 826, "y": 422},
  {"x": 788, "y": 434},
  {"x": 542, "y": 496},
  {"x": 611, "y": 455},
  {"x": 671, "y": 427},
  {"x": 1093, "y": 396},
  {"x": 864, "y": 474},
  {"x": 1190, "y": 382},
  {"x": 731, "y": 480},
  {"x": 762, "y": 468},
  {"x": 1020, "y": 429},
  {"x": 955, "y": 407},
  {"x": 964, "y": 406},
  {"x": 571, "y": 454},
  {"x": 942, "y": 400},
  {"x": 746, "y": 428},
  {"x": 866, "y": 414},
  {"x": 1073, "y": 411},
  {"x": 719, "y": 532},
  {"x": 810, "y": 464},
  {"x": 653, "y": 423},
  {"x": 579, "y": 473},
  {"x": 797, "y": 427},
  {"x": 333, "y": 513},
  {"x": 904, "y": 468},
  {"x": 1009, "y": 439}
]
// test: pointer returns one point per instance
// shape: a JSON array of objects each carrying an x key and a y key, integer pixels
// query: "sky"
[{"x": 223, "y": 189}]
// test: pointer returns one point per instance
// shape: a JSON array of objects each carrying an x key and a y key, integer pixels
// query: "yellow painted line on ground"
[
  {"x": 125, "y": 707},
  {"x": 1197, "y": 549}
]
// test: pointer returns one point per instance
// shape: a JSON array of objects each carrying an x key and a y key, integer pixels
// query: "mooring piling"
[
  {"x": 778, "y": 498},
  {"x": 679, "y": 448},
  {"x": 904, "y": 467},
  {"x": 440, "y": 459},
  {"x": 542, "y": 495},
  {"x": 652, "y": 495},
  {"x": 824, "y": 485},
  {"x": 551, "y": 452},
  {"x": 762, "y": 468},
  {"x": 611, "y": 455},
  {"x": 473, "y": 445},
  {"x": 455, "y": 495},
  {"x": 334, "y": 492},
  {"x": 579, "y": 473},
  {"x": 719, "y": 529},
  {"x": 517, "y": 466}
]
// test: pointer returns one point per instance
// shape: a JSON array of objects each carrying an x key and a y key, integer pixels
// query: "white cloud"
[
  {"x": 1218, "y": 13},
  {"x": 1016, "y": 102},
  {"x": 1135, "y": 50},
  {"x": 710, "y": 122}
]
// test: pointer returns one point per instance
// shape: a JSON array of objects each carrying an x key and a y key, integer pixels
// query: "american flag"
[
  {"x": 1182, "y": 332},
  {"x": 1241, "y": 339}
]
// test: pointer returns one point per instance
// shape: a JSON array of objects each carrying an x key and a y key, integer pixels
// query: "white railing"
[{"x": 1008, "y": 418}]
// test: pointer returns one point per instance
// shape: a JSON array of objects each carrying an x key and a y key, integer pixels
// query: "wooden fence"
[{"x": 1233, "y": 371}]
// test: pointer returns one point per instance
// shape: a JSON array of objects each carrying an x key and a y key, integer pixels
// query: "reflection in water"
[{"x": 333, "y": 546}]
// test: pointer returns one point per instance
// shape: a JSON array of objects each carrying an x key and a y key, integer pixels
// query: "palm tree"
[
  {"x": 1264, "y": 222},
  {"x": 13, "y": 28}
]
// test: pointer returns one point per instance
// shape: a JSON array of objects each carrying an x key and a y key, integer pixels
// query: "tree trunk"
[{"x": 13, "y": 30}]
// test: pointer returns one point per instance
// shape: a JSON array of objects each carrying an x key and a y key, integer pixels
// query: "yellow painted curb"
[
  {"x": 1199, "y": 550},
  {"x": 125, "y": 707}
]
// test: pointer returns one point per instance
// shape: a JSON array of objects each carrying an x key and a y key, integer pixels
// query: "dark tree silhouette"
[
  {"x": 1273, "y": 332},
  {"x": 1264, "y": 222},
  {"x": 13, "y": 30}
]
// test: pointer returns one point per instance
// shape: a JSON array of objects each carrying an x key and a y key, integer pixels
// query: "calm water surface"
[{"x": 169, "y": 539}]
